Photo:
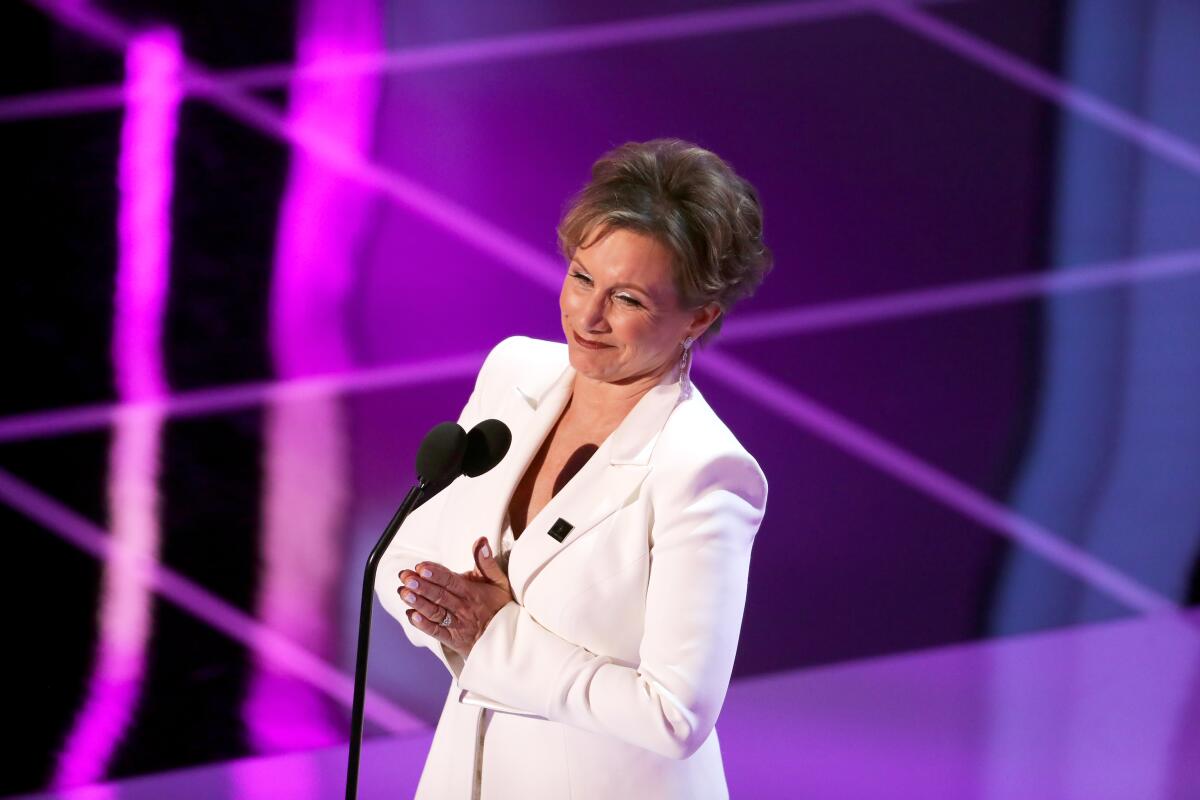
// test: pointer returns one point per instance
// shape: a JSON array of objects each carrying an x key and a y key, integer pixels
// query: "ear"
[{"x": 705, "y": 316}]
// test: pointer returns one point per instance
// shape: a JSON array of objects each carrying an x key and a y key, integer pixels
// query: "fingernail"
[
  {"x": 417, "y": 617},
  {"x": 425, "y": 573},
  {"x": 483, "y": 551},
  {"x": 411, "y": 583}
]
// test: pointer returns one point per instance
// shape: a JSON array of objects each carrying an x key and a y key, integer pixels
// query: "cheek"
[
  {"x": 641, "y": 334},
  {"x": 656, "y": 340},
  {"x": 564, "y": 301}
]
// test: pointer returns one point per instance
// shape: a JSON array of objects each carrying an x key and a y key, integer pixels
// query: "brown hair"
[{"x": 689, "y": 200}]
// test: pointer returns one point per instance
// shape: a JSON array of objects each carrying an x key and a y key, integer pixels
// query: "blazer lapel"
[
  {"x": 603, "y": 485},
  {"x": 480, "y": 506}
]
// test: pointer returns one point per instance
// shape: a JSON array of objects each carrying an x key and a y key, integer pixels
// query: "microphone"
[
  {"x": 448, "y": 456},
  {"x": 487, "y": 444},
  {"x": 440, "y": 456},
  {"x": 445, "y": 453}
]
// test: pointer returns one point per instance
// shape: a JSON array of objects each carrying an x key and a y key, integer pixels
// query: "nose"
[{"x": 594, "y": 313}]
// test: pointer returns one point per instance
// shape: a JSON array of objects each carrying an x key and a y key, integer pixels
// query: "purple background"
[{"x": 886, "y": 163}]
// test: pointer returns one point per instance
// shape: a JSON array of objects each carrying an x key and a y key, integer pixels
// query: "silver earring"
[{"x": 685, "y": 367}]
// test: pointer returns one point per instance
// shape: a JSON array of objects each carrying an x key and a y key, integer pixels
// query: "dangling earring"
[{"x": 685, "y": 367}]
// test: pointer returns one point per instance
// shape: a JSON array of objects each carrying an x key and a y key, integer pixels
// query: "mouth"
[{"x": 588, "y": 343}]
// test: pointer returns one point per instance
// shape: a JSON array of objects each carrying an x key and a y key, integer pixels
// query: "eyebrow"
[{"x": 634, "y": 286}]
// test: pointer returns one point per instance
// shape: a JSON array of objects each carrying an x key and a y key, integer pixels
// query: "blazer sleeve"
[
  {"x": 404, "y": 553},
  {"x": 669, "y": 702}
]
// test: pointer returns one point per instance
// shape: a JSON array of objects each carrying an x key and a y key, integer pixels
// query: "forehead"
[{"x": 624, "y": 256}]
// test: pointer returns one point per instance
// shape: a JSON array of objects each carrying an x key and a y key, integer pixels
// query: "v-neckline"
[
  {"x": 553, "y": 427},
  {"x": 604, "y": 451},
  {"x": 529, "y": 520}
]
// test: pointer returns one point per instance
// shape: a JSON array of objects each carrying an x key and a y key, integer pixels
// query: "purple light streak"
[
  {"x": 228, "y": 398},
  {"x": 200, "y": 603},
  {"x": 1166, "y": 145},
  {"x": 105, "y": 29},
  {"x": 569, "y": 40},
  {"x": 529, "y": 262},
  {"x": 306, "y": 463},
  {"x": 937, "y": 299},
  {"x": 572, "y": 39},
  {"x": 929, "y": 480},
  {"x": 321, "y": 223},
  {"x": 144, "y": 182},
  {"x": 61, "y": 102}
]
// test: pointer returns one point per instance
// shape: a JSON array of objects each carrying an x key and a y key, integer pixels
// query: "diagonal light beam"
[
  {"x": 908, "y": 469},
  {"x": 200, "y": 603},
  {"x": 940, "y": 299},
  {"x": 229, "y": 398},
  {"x": 568, "y": 39},
  {"x": 571, "y": 39},
  {"x": 62, "y": 102},
  {"x": 1164, "y": 144}
]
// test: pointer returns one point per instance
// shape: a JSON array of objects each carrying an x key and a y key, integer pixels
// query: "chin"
[
  {"x": 587, "y": 364},
  {"x": 582, "y": 360}
]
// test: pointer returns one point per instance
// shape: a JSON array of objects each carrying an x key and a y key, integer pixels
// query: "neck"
[{"x": 608, "y": 403}]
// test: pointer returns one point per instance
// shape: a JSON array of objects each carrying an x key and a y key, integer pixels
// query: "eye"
[{"x": 625, "y": 299}]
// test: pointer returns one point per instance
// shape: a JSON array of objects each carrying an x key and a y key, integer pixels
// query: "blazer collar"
[{"x": 633, "y": 440}]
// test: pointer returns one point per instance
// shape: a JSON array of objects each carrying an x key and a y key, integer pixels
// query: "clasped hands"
[{"x": 472, "y": 598}]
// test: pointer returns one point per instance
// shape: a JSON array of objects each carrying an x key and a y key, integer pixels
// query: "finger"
[
  {"x": 432, "y": 628},
  {"x": 426, "y": 607},
  {"x": 407, "y": 575},
  {"x": 485, "y": 562},
  {"x": 430, "y": 592},
  {"x": 451, "y": 581}
]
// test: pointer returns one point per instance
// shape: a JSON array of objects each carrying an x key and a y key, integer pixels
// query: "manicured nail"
[
  {"x": 483, "y": 551},
  {"x": 412, "y": 583},
  {"x": 417, "y": 617},
  {"x": 426, "y": 573}
]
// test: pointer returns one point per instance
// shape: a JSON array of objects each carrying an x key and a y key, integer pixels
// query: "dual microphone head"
[{"x": 448, "y": 451}]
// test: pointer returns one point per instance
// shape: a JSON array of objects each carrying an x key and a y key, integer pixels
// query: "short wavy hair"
[{"x": 690, "y": 201}]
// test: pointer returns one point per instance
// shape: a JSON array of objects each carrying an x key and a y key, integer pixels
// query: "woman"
[{"x": 586, "y": 595}]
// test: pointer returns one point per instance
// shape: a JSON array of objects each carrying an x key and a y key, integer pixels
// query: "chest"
[{"x": 563, "y": 453}]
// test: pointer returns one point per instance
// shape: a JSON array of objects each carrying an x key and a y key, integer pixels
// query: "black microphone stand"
[{"x": 411, "y": 501}]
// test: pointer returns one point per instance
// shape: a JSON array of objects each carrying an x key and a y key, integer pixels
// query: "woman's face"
[{"x": 619, "y": 294}]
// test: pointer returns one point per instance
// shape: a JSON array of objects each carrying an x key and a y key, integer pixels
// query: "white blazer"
[{"x": 605, "y": 676}]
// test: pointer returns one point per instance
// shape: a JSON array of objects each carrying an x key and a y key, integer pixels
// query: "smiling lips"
[{"x": 590, "y": 344}]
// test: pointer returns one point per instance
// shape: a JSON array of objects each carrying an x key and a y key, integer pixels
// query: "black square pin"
[{"x": 560, "y": 529}]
